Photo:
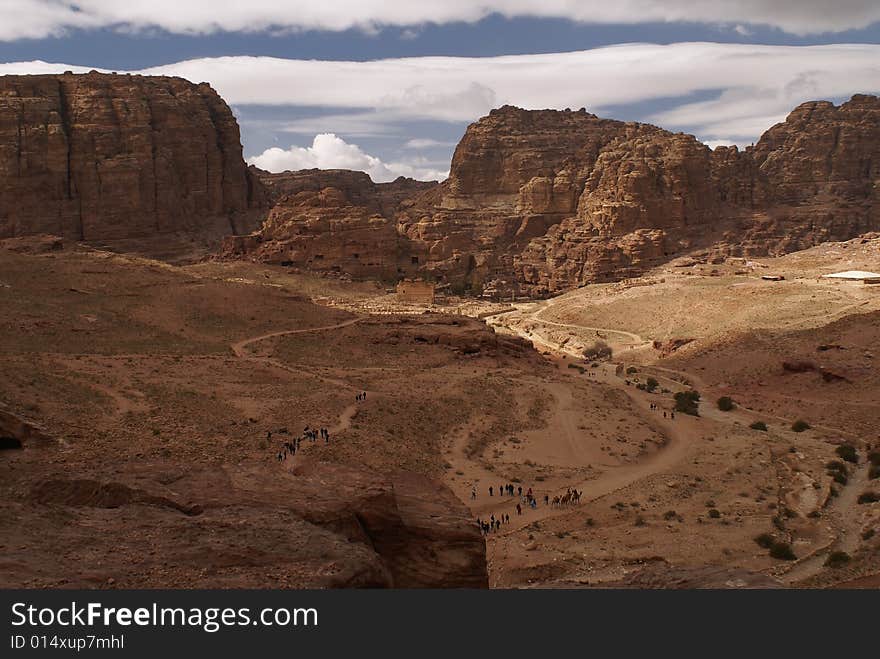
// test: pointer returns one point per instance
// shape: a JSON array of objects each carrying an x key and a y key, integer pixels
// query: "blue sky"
[{"x": 389, "y": 87}]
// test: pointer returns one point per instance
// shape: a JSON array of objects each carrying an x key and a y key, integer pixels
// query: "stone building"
[{"x": 415, "y": 291}]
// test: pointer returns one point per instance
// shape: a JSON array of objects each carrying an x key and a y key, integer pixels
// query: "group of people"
[
  {"x": 527, "y": 498},
  {"x": 290, "y": 447},
  {"x": 361, "y": 396},
  {"x": 493, "y": 523},
  {"x": 655, "y": 407}
]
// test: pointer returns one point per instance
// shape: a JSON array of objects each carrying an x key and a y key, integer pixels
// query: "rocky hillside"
[
  {"x": 538, "y": 202},
  {"x": 330, "y": 220},
  {"x": 100, "y": 157}
]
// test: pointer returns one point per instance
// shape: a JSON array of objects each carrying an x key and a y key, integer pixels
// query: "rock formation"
[
  {"x": 330, "y": 220},
  {"x": 538, "y": 202},
  {"x": 176, "y": 525},
  {"x": 100, "y": 157}
]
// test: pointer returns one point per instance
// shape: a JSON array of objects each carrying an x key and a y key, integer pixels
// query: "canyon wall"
[
  {"x": 100, "y": 157},
  {"x": 538, "y": 202}
]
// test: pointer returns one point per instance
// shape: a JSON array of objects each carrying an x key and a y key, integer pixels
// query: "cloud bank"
[
  {"x": 722, "y": 93},
  {"x": 750, "y": 87},
  {"x": 21, "y": 19},
  {"x": 331, "y": 152}
]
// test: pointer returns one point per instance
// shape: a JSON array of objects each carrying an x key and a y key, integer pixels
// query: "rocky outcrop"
[
  {"x": 538, "y": 202},
  {"x": 172, "y": 525},
  {"x": 101, "y": 157},
  {"x": 654, "y": 195},
  {"x": 330, "y": 220}
]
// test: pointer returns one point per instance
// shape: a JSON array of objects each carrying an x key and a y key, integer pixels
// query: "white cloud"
[
  {"x": 426, "y": 143},
  {"x": 328, "y": 151},
  {"x": 40, "y": 18},
  {"x": 752, "y": 86},
  {"x": 713, "y": 144}
]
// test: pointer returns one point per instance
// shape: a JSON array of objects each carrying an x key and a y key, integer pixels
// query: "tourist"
[{"x": 490, "y": 490}]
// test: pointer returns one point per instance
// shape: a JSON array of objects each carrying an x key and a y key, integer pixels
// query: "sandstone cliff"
[
  {"x": 538, "y": 202},
  {"x": 100, "y": 157},
  {"x": 174, "y": 525},
  {"x": 330, "y": 220}
]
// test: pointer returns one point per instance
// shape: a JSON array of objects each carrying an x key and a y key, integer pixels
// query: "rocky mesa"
[
  {"x": 538, "y": 202},
  {"x": 100, "y": 157}
]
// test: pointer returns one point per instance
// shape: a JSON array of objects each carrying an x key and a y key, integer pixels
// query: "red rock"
[{"x": 102, "y": 157}]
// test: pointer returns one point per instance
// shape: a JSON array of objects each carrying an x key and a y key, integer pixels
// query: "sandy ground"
[{"x": 125, "y": 359}]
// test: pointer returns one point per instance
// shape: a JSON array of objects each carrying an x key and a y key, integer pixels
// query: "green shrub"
[
  {"x": 782, "y": 551},
  {"x": 800, "y": 426},
  {"x": 599, "y": 350},
  {"x": 837, "y": 559},
  {"x": 725, "y": 404},
  {"x": 848, "y": 452},
  {"x": 765, "y": 540},
  {"x": 869, "y": 497},
  {"x": 651, "y": 385},
  {"x": 759, "y": 425},
  {"x": 686, "y": 402}
]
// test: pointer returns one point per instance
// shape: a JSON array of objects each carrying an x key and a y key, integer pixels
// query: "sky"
[{"x": 389, "y": 86}]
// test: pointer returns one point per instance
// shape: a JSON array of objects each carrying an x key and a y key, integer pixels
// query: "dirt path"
[
  {"x": 680, "y": 435},
  {"x": 240, "y": 350},
  {"x": 843, "y": 511}
]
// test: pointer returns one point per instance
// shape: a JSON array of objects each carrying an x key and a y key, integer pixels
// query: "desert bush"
[
  {"x": 651, "y": 385},
  {"x": 599, "y": 350},
  {"x": 782, "y": 551},
  {"x": 847, "y": 452},
  {"x": 839, "y": 477},
  {"x": 631, "y": 370},
  {"x": 759, "y": 425},
  {"x": 874, "y": 458},
  {"x": 874, "y": 472},
  {"x": 837, "y": 559},
  {"x": 867, "y": 535},
  {"x": 765, "y": 540},
  {"x": 869, "y": 497},
  {"x": 838, "y": 471},
  {"x": 725, "y": 404},
  {"x": 714, "y": 513},
  {"x": 800, "y": 426},
  {"x": 686, "y": 402},
  {"x": 670, "y": 515}
]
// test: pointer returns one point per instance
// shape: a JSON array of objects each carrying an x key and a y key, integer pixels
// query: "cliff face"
[
  {"x": 538, "y": 202},
  {"x": 653, "y": 195},
  {"x": 331, "y": 220},
  {"x": 104, "y": 157},
  {"x": 321, "y": 526}
]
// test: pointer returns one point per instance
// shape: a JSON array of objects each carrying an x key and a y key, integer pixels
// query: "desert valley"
[{"x": 615, "y": 347}]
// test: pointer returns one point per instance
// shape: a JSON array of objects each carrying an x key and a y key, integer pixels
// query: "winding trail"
[
  {"x": 680, "y": 435},
  {"x": 240, "y": 350}
]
